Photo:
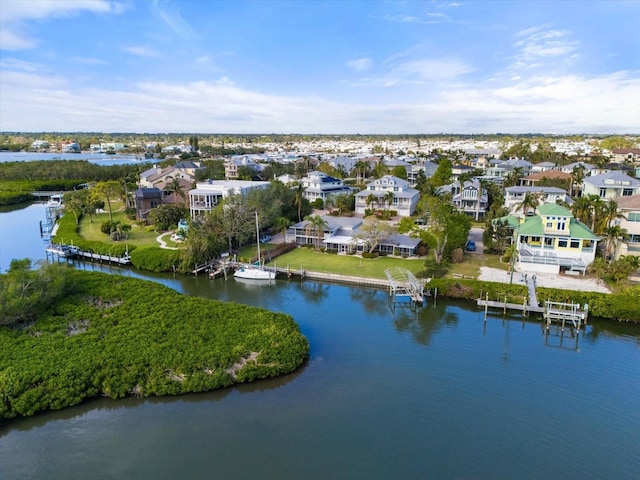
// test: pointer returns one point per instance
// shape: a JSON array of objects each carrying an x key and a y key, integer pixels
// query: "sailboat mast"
[{"x": 258, "y": 239}]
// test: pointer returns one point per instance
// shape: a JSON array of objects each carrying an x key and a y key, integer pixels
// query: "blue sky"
[{"x": 320, "y": 67}]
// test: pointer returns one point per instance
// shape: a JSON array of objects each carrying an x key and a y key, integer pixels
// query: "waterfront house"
[
  {"x": 340, "y": 234},
  {"x": 629, "y": 211},
  {"x": 206, "y": 196},
  {"x": 553, "y": 240},
  {"x": 404, "y": 200},
  {"x": 611, "y": 185}
]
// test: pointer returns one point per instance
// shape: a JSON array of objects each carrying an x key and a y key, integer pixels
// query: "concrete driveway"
[{"x": 475, "y": 234}]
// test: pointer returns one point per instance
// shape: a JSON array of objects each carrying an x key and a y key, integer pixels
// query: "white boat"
[{"x": 255, "y": 271}]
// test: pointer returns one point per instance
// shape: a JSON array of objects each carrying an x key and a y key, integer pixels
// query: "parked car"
[
  {"x": 471, "y": 246},
  {"x": 265, "y": 239}
]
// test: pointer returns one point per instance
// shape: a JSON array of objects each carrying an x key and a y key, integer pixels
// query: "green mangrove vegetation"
[{"x": 105, "y": 335}]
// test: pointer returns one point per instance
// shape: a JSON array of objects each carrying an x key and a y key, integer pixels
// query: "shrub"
[{"x": 457, "y": 255}]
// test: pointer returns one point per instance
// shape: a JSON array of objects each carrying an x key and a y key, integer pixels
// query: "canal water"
[
  {"x": 388, "y": 392},
  {"x": 97, "y": 158}
]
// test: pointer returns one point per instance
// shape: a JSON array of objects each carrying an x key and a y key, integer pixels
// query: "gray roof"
[{"x": 609, "y": 179}]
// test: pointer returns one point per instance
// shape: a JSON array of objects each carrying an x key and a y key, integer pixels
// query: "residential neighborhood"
[{"x": 542, "y": 202}]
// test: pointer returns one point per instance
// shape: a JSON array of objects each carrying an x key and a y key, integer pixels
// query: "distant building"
[
  {"x": 71, "y": 147},
  {"x": 40, "y": 145}
]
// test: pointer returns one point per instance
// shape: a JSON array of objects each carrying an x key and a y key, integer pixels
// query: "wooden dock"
[
  {"x": 552, "y": 312},
  {"x": 71, "y": 251}
]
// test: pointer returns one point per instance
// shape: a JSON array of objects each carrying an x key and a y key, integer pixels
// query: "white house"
[
  {"x": 404, "y": 200},
  {"x": 514, "y": 195},
  {"x": 340, "y": 235},
  {"x": 629, "y": 208},
  {"x": 611, "y": 185},
  {"x": 320, "y": 185},
  {"x": 206, "y": 196}
]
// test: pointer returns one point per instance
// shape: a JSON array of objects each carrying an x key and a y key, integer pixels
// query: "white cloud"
[
  {"x": 536, "y": 44},
  {"x": 171, "y": 16},
  {"x": 15, "y": 14},
  {"x": 360, "y": 64},
  {"x": 567, "y": 104},
  {"x": 141, "y": 51},
  {"x": 416, "y": 72}
]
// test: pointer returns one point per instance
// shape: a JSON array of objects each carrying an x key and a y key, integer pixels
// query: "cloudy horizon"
[{"x": 368, "y": 67}]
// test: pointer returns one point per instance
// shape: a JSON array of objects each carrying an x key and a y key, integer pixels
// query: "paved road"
[{"x": 476, "y": 235}]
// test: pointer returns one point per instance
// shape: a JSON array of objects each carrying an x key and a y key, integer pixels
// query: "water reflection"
[{"x": 424, "y": 322}]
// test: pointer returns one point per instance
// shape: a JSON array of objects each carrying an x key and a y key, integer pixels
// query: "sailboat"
[{"x": 255, "y": 271}]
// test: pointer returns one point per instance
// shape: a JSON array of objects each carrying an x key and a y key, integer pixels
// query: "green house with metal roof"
[{"x": 552, "y": 240}]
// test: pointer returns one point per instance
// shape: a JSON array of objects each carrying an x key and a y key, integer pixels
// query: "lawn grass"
[
  {"x": 470, "y": 267},
  {"x": 139, "y": 236},
  {"x": 309, "y": 259}
]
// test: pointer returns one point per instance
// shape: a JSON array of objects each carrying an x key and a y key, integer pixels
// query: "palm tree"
[
  {"x": 370, "y": 199},
  {"x": 608, "y": 215},
  {"x": 176, "y": 188},
  {"x": 317, "y": 225},
  {"x": 528, "y": 203},
  {"x": 299, "y": 199},
  {"x": 581, "y": 210},
  {"x": 389, "y": 196},
  {"x": 599, "y": 268},
  {"x": 577, "y": 175},
  {"x": 612, "y": 235},
  {"x": 281, "y": 224}
]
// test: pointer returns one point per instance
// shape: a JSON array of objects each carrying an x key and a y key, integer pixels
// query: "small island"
[{"x": 99, "y": 335}]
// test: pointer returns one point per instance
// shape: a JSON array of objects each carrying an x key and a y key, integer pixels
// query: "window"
[
  {"x": 603, "y": 192},
  {"x": 627, "y": 192},
  {"x": 575, "y": 243},
  {"x": 549, "y": 224},
  {"x": 562, "y": 243},
  {"x": 634, "y": 216},
  {"x": 561, "y": 225},
  {"x": 548, "y": 242}
]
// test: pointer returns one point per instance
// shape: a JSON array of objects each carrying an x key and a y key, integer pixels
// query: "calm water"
[
  {"x": 387, "y": 393},
  {"x": 97, "y": 158}
]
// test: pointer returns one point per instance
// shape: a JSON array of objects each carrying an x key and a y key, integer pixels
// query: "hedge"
[
  {"x": 623, "y": 306},
  {"x": 155, "y": 259}
]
